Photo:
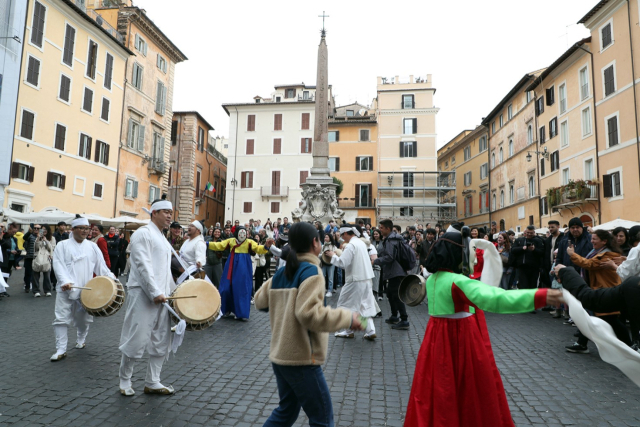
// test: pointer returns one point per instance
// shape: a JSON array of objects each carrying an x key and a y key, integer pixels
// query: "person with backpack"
[{"x": 395, "y": 259}]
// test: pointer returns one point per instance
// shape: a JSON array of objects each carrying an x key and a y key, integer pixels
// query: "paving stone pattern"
[{"x": 223, "y": 376}]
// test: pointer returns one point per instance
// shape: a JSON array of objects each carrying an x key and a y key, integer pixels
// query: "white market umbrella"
[
  {"x": 42, "y": 217},
  {"x": 616, "y": 223}
]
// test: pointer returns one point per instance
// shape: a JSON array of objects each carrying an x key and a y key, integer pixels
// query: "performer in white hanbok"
[
  {"x": 147, "y": 325},
  {"x": 75, "y": 261},
  {"x": 194, "y": 250},
  {"x": 357, "y": 293}
]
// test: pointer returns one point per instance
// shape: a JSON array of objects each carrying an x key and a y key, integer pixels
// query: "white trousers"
[
  {"x": 69, "y": 312},
  {"x": 146, "y": 326},
  {"x": 152, "y": 379}
]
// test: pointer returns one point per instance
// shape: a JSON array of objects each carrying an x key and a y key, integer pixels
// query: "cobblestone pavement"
[{"x": 223, "y": 377}]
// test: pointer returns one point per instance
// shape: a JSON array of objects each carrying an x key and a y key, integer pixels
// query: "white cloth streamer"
[
  {"x": 611, "y": 349},
  {"x": 492, "y": 268},
  {"x": 179, "y": 332}
]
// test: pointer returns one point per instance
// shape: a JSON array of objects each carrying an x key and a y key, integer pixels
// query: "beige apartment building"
[
  {"x": 143, "y": 145},
  {"x": 70, "y": 101},
  {"x": 565, "y": 108},
  {"x": 513, "y": 152},
  {"x": 410, "y": 189},
  {"x": 468, "y": 156}
]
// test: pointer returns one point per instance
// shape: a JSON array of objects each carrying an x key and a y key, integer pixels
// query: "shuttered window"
[
  {"x": 251, "y": 123},
  {"x": 609, "y": 81},
  {"x": 87, "y": 102},
  {"x": 305, "y": 145},
  {"x": 364, "y": 163},
  {"x": 108, "y": 71},
  {"x": 542, "y": 134},
  {"x": 363, "y": 196},
  {"x": 65, "y": 88},
  {"x": 56, "y": 180},
  {"x": 37, "y": 25},
  {"x": 606, "y": 36},
  {"x": 97, "y": 191},
  {"x": 408, "y": 102},
  {"x": 84, "y": 148},
  {"x": 364, "y": 135},
  {"x": 303, "y": 177},
  {"x": 246, "y": 180},
  {"x": 612, "y": 131},
  {"x": 136, "y": 78},
  {"x": 247, "y": 207},
  {"x": 277, "y": 146},
  {"x": 26, "y": 127},
  {"x": 334, "y": 164},
  {"x": 92, "y": 59},
  {"x": 551, "y": 95},
  {"x": 104, "y": 114},
  {"x": 33, "y": 71},
  {"x": 275, "y": 183},
  {"x": 61, "y": 135},
  {"x": 135, "y": 135},
  {"x": 250, "y": 146},
  {"x": 275, "y": 207},
  {"x": 408, "y": 149},
  {"x": 333, "y": 136},
  {"x": 277, "y": 122},
  {"x": 69, "y": 44},
  {"x": 410, "y": 126},
  {"x": 161, "y": 98},
  {"x": 306, "y": 118},
  {"x": 102, "y": 153}
]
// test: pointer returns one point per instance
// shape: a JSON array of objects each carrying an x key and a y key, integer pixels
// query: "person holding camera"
[
  {"x": 528, "y": 251},
  {"x": 43, "y": 248}
]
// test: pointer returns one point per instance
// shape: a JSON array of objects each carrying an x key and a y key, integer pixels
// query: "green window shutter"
[{"x": 140, "y": 138}]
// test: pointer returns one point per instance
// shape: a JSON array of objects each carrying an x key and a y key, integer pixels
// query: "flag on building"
[{"x": 209, "y": 187}]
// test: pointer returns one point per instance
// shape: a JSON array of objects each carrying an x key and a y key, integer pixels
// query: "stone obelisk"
[{"x": 319, "y": 192}]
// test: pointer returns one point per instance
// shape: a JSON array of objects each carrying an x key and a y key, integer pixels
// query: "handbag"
[{"x": 41, "y": 263}]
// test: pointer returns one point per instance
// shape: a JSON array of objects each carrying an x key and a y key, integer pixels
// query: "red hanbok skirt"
[{"x": 456, "y": 381}]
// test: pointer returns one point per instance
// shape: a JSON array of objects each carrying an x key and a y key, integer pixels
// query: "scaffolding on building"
[{"x": 416, "y": 197}]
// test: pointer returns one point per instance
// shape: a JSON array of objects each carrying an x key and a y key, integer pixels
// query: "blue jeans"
[
  {"x": 327, "y": 271},
  {"x": 301, "y": 387}
]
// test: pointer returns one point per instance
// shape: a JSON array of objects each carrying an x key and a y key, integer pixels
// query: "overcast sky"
[{"x": 475, "y": 50}]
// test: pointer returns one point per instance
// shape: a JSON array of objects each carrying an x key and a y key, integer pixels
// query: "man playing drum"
[
  {"x": 147, "y": 325},
  {"x": 75, "y": 260},
  {"x": 194, "y": 250}
]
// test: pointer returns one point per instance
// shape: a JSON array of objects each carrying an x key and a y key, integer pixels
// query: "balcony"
[
  {"x": 156, "y": 166},
  {"x": 348, "y": 204},
  {"x": 572, "y": 195},
  {"x": 87, "y": 7},
  {"x": 309, "y": 97},
  {"x": 274, "y": 192}
]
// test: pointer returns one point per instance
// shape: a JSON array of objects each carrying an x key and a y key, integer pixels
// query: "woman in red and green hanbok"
[{"x": 456, "y": 381}]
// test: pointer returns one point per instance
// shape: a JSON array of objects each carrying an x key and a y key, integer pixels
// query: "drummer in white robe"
[
  {"x": 357, "y": 293},
  {"x": 75, "y": 260},
  {"x": 147, "y": 325},
  {"x": 194, "y": 250}
]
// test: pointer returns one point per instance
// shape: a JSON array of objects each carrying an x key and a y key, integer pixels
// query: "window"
[
  {"x": 349, "y": 113},
  {"x": 56, "y": 180},
  {"x": 493, "y": 202},
  {"x": 408, "y": 102},
  {"x": 588, "y": 170},
  {"x": 92, "y": 59},
  {"x": 542, "y": 167},
  {"x": 453, "y": 160},
  {"x": 136, "y": 79},
  {"x": 305, "y": 145},
  {"x": 60, "y": 138},
  {"x": 22, "y": 171},
  {"x": 250, "y": 147},
  {"x": 364, "y": 135},
  {"x": 467, "y": 153},
  {"x": 69, "y": 43},
  {"x": 278, "y": 99},
  {"x": 544, "y": 206},
  {"x": 290, "y": 93},
  {"x": 198, "y": 183},
  {"x": 529, "y": 96},
  {"x": 482, "y": 146},
  {"x": 363, "y": 196},
  {"x": 468, "y": 206},
  {"x": 306, "y": 119},
  {"x": 510, "y": 112},
  {"x": 564, "y": 134},
  {"x": 65, "y": 88},
  {"x": 409, "y": 149},
  {"x": 37, "y": 24},
  {"x": 277, "y": 146},
  {"x": 501, "y": 121},
  {"x": 84, "y": 148},
  {"x": 87, "y": 101},
  {"x": 275, "y": 206},
  {"x": 334, "y": 164},
  {"x": 131, "y": 188},
  {"x": 484, "y": 170},
  {"x": 543, "y": 134},
  {"x": 500, "y": 156},
  {"x": 246, "y": 180},
  {"x": 201, "y": 139},
  {"x": 28, "y": 122},
  {"x": 553, "y": 127},
  {"x": 484, "y": 201},
  {"x": 512, "y": 194},
  {"x": 104, "y": 114},
  {"x": 407, "y": 181},
  {"x": 135, "y": 136},
  {"x": 108, "y": 71},
  {"x": 532, "y": 187},
  {"x": 606, "y": 36},
  {"x": 410, "y": 126},
  {"x": 161, "y": 63},
  {"x": 303, "y": 177},
  {"x": 501, "y": 199},
  {"x": 334, "y": 136},
  {"x": 493, "y": 160},
  {"x": 305, "y": 95},
  {"x": 612, "y": 131},
  {"x": 174, "y": 132},
  {"x": 539, "y": 105},
  {"x": 612, "y": 184},
  {"x": 277, "y": 122},
  {"x": 408, "y": 211},
  {"x": 565, "y": 176},
  {"x": 157, "y": 152},
  {"x": 102, "y": 153},
  {"x": 154, "y": 193},
  {"x": 493, "y": 127},
  {"x": 97, "y": 190},
  {"x": 529, "y": 135},
  {"x": 161, "y": 98},
  {"x": 609, "y": 81},
  {"x": 251, "y": 123},
  {"x": 584, "y": 84},
  {"x": 555, "y": 161},
  {"x": 141, "y": 45},
  {"x": 467, "y": 179},
  {"x": 33, "y": 71},
  {"x": 586, "y": 122},
  {"x": 562, "y": 94},
  {"x": 510, "y": 147},
  {"x": 551, "y": 96},
  {"x": 364, "y": 163}
]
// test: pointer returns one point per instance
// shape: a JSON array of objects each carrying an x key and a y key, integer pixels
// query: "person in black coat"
[
  {"x": 578, "y": 237},
  {"x": 527, "y": 254},
  {"x": 113, "y": 245},
  {"x": 551, "y": 243}
]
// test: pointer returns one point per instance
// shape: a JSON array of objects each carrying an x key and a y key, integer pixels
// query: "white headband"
[
  {"x": 197, "y": 224},
  {"x": 158, "y": 206},
  {"x": 352, "y": 229},
  {"x": 79, "y": 222}
]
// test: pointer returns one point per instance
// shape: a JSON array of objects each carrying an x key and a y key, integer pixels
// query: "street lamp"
[
  {"x": 16, "y": 38},
  {"x": 544, "y": 154}
]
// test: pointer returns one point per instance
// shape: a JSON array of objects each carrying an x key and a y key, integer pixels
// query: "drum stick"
[
  {"x": 79, "y": 287},
  {"x": 189, "y": 296}
]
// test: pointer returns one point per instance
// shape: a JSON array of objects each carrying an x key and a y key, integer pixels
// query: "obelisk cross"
[{"x": 323, "y": 16}]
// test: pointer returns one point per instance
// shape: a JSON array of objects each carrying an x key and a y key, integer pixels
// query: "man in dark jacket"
[
  {"x": 113, "y": 246},
  {"x": 551, "y": 244},
  {"x": 61, "y": 233},
  {"x": 425, "y": 244},
  {"x": 9, "y": 247},
  {"x": 579, "y": 238},
  {"x": 30, "y": 248},
  {"x": 393, "y": 273},
  {"x": 528, "y": 252}
]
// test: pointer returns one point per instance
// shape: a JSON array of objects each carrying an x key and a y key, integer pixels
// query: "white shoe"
[
  {"x": 379, "y": 298},
  {"x": 329, "y": 294},
  {"x": 80, "y": 346},
  {"x": 36, "y": 295},
  {"x": 48, "y": 294},
  {"x": 127, "y": 391},
  {"x": 58, "y": 356},
  {"x": 252, "y": 301}
]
